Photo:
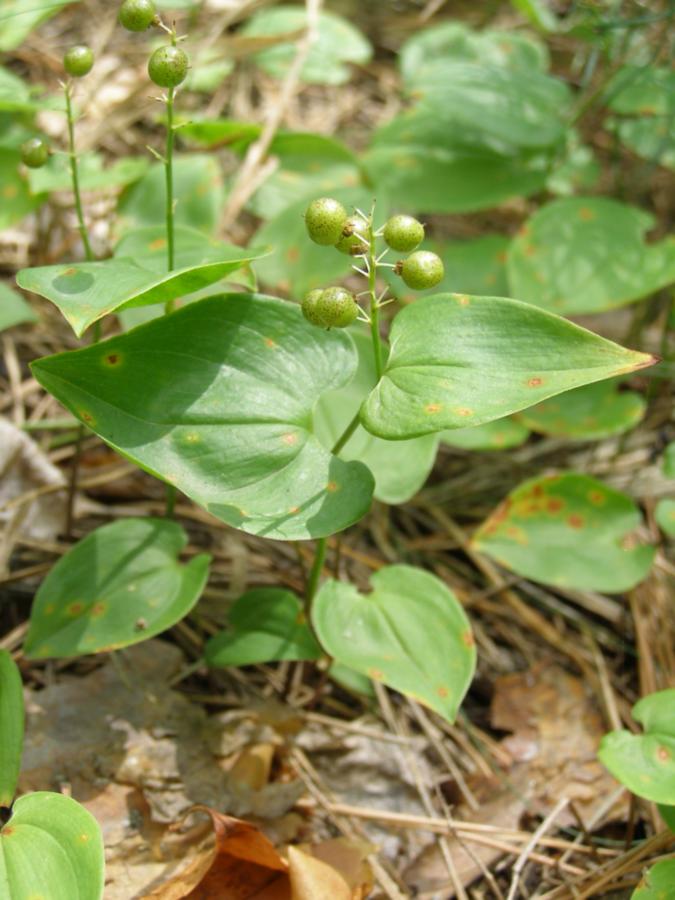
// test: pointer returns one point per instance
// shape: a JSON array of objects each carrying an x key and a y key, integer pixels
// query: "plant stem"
[
  {"x": 315, "y": 575},
  {"x": 374, "y": 311},
  {"x": 346, "y": 434},
  {"x": 168, "y": 168},
  {"x": 74, "y": 173}
]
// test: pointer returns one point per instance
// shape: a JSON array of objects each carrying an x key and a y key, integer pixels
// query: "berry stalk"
[
  {"x": 374, "y": 310},
  {"x": 74, "y": 173}
]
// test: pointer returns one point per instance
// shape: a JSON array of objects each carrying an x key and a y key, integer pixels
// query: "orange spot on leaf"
[
  {"x": 535, "y": 382},
  {"x": 586, "y": 214},
  {"x": 554, "y": 505},
  {"x": 289, "y": 439},
  {"x": 375, "y": 674},
  {"x": 464, "y": 411},
  {"x": 270, "y": 343},
  {"x": 575, "y": 521},
  {"x": 432, "y": 408},
  {"x": 157, "y": 244},
  {"x": 468, "y": 639},
  {"x": 442, "y": 692},
  {"x": 332, "y": 486}
]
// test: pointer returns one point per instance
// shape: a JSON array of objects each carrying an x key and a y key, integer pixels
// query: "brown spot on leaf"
[
  {"x": 98, "y": 609},
  {"x": 554, "y": 505},
  {"x": 597, "y": 498},
  {"x": 663, "y": 754},
  {"x": 112, "y": 359},
  {"x": 586, "y": 214},
  {"x": 294, "y": 509},
  {"x": 67, "y": 273},
  {"x": 7, "y": 831},
  {"x": 289, "y": 439},
  {"x": 270, "y": 343},
  {"x": 375, "y": 674},
  {"x": 432, "y": 408},
  {"x": 535, "y": 382},
  {"x": 468, "y": 639},
  {"x": 442, "y": 692},
  {"x": 462, "y": 299},
  {"x": 157, "y": 244},
  {"x": 74, "y": 609},
  {"x": 332, "y": 487},
  {"x": 293, "y": 254},
  {"x": 575, "y": 521},
  {"x": 464, "y": 411}
]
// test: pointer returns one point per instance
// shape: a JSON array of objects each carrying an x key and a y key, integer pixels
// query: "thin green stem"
[
  {"x": 374, "y": 311},
  {"x": 315, "y": 575},
  {"x": 74, "y": 173},
  {"x": 346, "y": 434},
  {"x": 168, "y": 168}
]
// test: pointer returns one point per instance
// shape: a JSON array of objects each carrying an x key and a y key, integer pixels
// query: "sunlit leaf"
[
  {"x": 385, "y": 635},
  {"x": 658, "y": 883},
  {"x": 264, "y": 625},
  {"x": 570, "y": 531},
  {"x": 64, "y": 837},
  {"x": 645, "y": 763},
  {"x": 121, "y": 584},
  {"x": 501, "y": 434},
  {"x": 458, "y": 360},
  {"x": 588, "y": 254},
  {"x": 217, "y": 399},
  {"x": 11, "y": 727}
]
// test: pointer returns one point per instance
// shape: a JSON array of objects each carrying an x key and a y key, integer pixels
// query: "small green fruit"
[
  {"x": 336, "y": 308},
  {"x": 403, "y": 233},
  {"x": 78, "y": 61},
  {"x": 421, "y": 270},
  {"x": 35, "y": 153},
  {"x": 308, "y": 306},
  {"x": 325, "y": 218},
  {"x": 137, "y": 15},
  {"x": 168, "y": 66},
  {"x": 350, "y": 242}
]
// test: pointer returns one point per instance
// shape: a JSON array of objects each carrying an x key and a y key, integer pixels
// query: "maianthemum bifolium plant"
[{"x": 284, "y": 419}]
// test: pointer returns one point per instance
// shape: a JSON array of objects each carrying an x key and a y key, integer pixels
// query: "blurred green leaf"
[
  {"x": 15, "y": 198},
  {"x": 94, "y": 176},
  {"x": 658, "y": 883},
  {"x": 11, "y": 727},
  {"x": 19, "y": 17},
  {"x": 501, "y": 434},
  {"x": 13, "y": 308},
  {"x": 665, "y": 516}
]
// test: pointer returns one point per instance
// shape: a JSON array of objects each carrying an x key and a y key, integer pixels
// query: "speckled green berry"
[
  {"x": 78, "y": 61},
  {"x": 137, "y": 15},
  {"x": 336, "y": 308},
  {"x": 350, "y": 242},
  {"x": 421, "y": 270},
  {"x": 325, "y": 218},
  {"x": 308, "y": 306},
  {"x": 403, "y": 233},
  {"x": 168, "y": 66},
  {"x": 35, "y": 153}
]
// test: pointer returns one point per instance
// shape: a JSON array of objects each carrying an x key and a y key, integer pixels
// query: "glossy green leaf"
[
  {"x": 297, "y": 265},
  {"x": 66, "y": 840},
  {"x": 410, "y": 632},
  {"x": 13, "y": 308},
  {"x": 198, "y": 193},
  {"x": 471, "y": 267},
  {"x": 658, "y": 883},
  {"x": 217, "y": 399},
  {"x": 400, "y": 468},
  {"x": 665, "y": 516},
  {"x": 11, "y": 727},
  {"x": 458, "y": 360},
  {"x": 645, "y": 763},
  {"x": 86, "y": 292},
  {"x": 94, "y": 176},
  {"x": 588, "y": 254},
  {"x": 569, "y": 531},
  {"x": 19, "y": 17},
  {"x": 501, "y": 434},
  {"x": 669, "y": 460},
  {"x": 265, "y": 625},
  {"x": 15, "y": 198},
  {"x": 120, "y": 585},
  {"x": 588, "y": 413},
  {"x": 339, "y": 43},
  {"x": 455, "y": 42}
]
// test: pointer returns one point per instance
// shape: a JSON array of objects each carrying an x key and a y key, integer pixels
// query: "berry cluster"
[{"x": 329, "y": 225}]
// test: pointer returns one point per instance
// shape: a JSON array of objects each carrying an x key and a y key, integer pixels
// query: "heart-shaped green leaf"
[
  {"x": 501, "y": 434},
  {"x": 120, "y": 585},
  {"x": 588, "y": 254},
  {"x": 265, "y": 625},
  {"x": 589, "y": 413},
  {"x": 64, "y": 838},
  {"x": 658, "y": 883},
  {"x": 11, "y": 727},
  {"x": 217, "y": 399},
  {"x": 385, "y": 635},
  {"x": 645, "y": 763},
  {"x": 13, "y": 308},
  {"x": 568, "y": 530},
  {"x": 458, "y": 360},
  {"x": 338, "y": 43},
  {"x": 86, "y": 292},
  {"x": 400, "y": 467}
]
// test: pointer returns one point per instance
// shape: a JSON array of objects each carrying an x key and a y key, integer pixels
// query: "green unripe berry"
[
  {"x": 35, "y": 153},
  {"x": 325, "y": 218},
  {"x": 78, "y": 61},
  {"x": 336, "y": 308},
  {"x": 137, "y": 15},
  {"x": 350, "y": 243},
  {"x": 403, "y": 233},
  {"x": 308, "y": 306},
  {"x": 168, "y": 66},
  {"x": 421, "y": 270}
]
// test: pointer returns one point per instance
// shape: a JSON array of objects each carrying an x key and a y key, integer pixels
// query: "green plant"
[
  {"x": 403, "y": 233},
  {"x": 325, "y": 220},
  {"x": 421, "y": 270},
  {"x": 34, "y": 153},
  {"x": 78, "y": 61},
  {"x": 137, "y": 15},
  {"x": 168, "y": 66}
]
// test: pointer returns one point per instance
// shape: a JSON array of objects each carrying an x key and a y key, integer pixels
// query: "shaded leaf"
[
  {"x": 15, "y": 198},
  {"x": 86, "y": 292},
  {"x": 669, "y": 460},
  {"x": 385, "y": 635},
  {"x": 645, "y": 763},
  {"x": 458, "y": 360},
  {"x": 587, "y": 254},
  {"x": 400, "y": 468},
  {"x": 650, "y": 137},
  {"x": 121, "y": 584},
  {"x": 668, "y": 815},
  {"x": 641, "y": 90},
  {"x": 568, "y": 530},
  {"x": 11, "y": 727},
  {"x": 339, "y": 43},
  {"x": 93, "y": 175},
  {"x": 217, "y": 399},
  {"x": 14, "y": 92},
  {"x": 500, "y": 434},
  {"x": 66, "y": 840},
  {"x": 265, "y": 625},
  {"x": 588, "y": 413},
  {"x": 13, "y": 308}
]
